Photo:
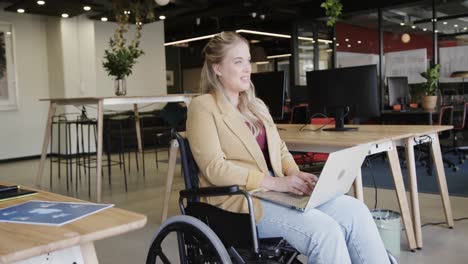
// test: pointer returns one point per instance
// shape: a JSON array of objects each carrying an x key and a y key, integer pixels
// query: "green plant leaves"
[
  {"x": 432, "y": 76},
  {"x": 333, "y": 9},
  {"x": 119, "y": 62},
  {"x": 121, "y": 57}
]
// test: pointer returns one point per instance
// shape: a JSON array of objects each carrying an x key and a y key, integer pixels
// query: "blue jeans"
[{"x": 340, "y": 231}]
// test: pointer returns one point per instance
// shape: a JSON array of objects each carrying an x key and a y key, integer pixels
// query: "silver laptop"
[{"x": 336, "y": 178}]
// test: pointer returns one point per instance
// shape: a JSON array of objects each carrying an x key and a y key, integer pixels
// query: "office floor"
[{"x": 145, "y": 195}]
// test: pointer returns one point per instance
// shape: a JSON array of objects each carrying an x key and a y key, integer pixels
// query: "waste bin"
[{"x": 389, "y": 225}]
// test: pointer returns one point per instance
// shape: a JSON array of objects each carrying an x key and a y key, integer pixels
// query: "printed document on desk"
[{"x": 48, "y": 212}]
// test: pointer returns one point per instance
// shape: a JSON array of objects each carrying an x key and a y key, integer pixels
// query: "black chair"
[
  {"x": 459, "y": 120},
  {"x": 300, "y": 114},
  {"x": 445, "y": 117},
  {"x": 207, "y": 234}
]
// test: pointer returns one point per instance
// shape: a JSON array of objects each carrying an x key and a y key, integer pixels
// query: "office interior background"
[{"x": 52, "y": 55}]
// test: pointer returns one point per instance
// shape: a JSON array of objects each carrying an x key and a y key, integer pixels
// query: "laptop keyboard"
[{"x": 299, "y": 201}]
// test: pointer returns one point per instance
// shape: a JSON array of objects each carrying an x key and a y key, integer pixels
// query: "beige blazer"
[{"x": 227, "y": 153}]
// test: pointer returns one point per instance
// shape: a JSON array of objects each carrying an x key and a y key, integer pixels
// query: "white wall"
[
  {"x": 22, "y": 130},
  {"x": 54, "y": 57},
  {"x": 63, "y": 58},
  {"x": 149, "y": 73},
  {"x": 77, "y": 38}
]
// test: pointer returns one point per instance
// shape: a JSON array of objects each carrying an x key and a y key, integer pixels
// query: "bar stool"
[
  {"x": 61, "y": 122},
  {"x": 115, "y": 131},
  {"x": 152, "y": 125}
]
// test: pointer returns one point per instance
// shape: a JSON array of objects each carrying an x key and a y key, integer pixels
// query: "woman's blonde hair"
[{"x": 253, "y": 110}]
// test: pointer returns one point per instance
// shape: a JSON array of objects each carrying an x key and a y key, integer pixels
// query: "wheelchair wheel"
[{"x": 197, "y": 243}]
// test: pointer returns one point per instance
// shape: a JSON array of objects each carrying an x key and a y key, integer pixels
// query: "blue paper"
[{"x": 49, "y": 213}]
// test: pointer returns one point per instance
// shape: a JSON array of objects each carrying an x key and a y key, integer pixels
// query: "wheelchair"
[{"x": 208, "y": 234}]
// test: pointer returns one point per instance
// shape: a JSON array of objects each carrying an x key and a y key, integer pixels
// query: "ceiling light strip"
[
  {"x": 279, "y": 56},
  {"x": 246, "y": 32},
  {"x": 262, "y": 33},
  {"x": 188, "y": 40}
]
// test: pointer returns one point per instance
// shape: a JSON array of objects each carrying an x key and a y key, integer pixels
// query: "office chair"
[
  {"x": 208, "y": 234},
  {"x": 299, "y": 114},
  {"x": 458, "y": 128},
  {"x": 445, "y": 117}
]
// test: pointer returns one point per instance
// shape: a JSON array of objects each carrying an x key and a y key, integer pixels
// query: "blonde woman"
[{"x": 235, "y": 142}]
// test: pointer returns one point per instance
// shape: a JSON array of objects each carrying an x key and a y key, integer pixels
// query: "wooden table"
[
  {"x": 408, "y": 136},
  {"x": 380, "y": 140},
  {"x": 101, "y": 102},
  {"x": 70, "y": 243},
  {"x": 422, "y": 134}
]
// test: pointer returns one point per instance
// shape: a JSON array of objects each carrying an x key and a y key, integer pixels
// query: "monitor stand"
[{"x": 341, "y": 113}]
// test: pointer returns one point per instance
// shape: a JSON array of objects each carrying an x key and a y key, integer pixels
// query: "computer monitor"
[
  {"x": 270, "y": 87},
  {"x": 398, "y": 90},
  {"x": 351, "y": 91}
]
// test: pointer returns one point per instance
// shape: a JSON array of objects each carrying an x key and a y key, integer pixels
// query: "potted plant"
[
  {"x": 333, "y": 9},
  {"x": 432, "y": 75},
  {"x": 120, "y": 58}
]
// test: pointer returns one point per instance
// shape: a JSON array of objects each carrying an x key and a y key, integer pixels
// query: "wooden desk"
[
  {"x": 380, "y": 140},
  {"x": 101, "y": 102},
  {"x": 70, "y": 243},
  {"x": 419, "y": 135},
  {"x": 407, "y": 136}
]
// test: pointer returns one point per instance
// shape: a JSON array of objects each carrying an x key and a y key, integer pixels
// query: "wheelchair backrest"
[{"x": 189, "y": 166}]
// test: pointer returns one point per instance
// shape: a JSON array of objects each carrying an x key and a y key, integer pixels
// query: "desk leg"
[
  {"x": 413, "y": 186},
  {"x": 442, "y": 181},
  {"x": 99, "y": 152},
  {"x": 45, "y": 143},
  {"x": 89, "y": 253},
  {"x": 170, "y": 177},
  {"x": 138, "y": 134},
  {"x": 358, "y": 192},
  {"x": 401, "y": 195}
]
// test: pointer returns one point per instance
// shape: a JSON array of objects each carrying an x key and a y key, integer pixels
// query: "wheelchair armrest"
[{"x": 210, "y": 191}]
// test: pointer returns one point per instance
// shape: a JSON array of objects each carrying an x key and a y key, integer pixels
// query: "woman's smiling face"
[{"x": 234, "y": 70}]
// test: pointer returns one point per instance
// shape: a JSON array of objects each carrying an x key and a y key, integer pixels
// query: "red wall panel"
[{"x": 370, "y": 40}]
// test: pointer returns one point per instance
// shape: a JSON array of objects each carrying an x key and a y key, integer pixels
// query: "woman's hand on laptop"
[
  {"x": 308, "y": 178},
  {"x": 297, "y": 182}
]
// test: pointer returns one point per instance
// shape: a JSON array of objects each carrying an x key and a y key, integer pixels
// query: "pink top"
[{"x": 263, "y": 144}]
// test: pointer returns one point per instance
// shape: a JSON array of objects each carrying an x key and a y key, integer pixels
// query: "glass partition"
[
  {"x": 314, "y": 49},
  {"x": 408, "y": 51},
  {"x": 452, "y": 25}
]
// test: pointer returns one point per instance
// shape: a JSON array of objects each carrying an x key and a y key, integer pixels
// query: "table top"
[
  {"x": 22, "y": 241},
  {"x": 116, "y": 100},
  {"x": 372, "y": 134}
]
